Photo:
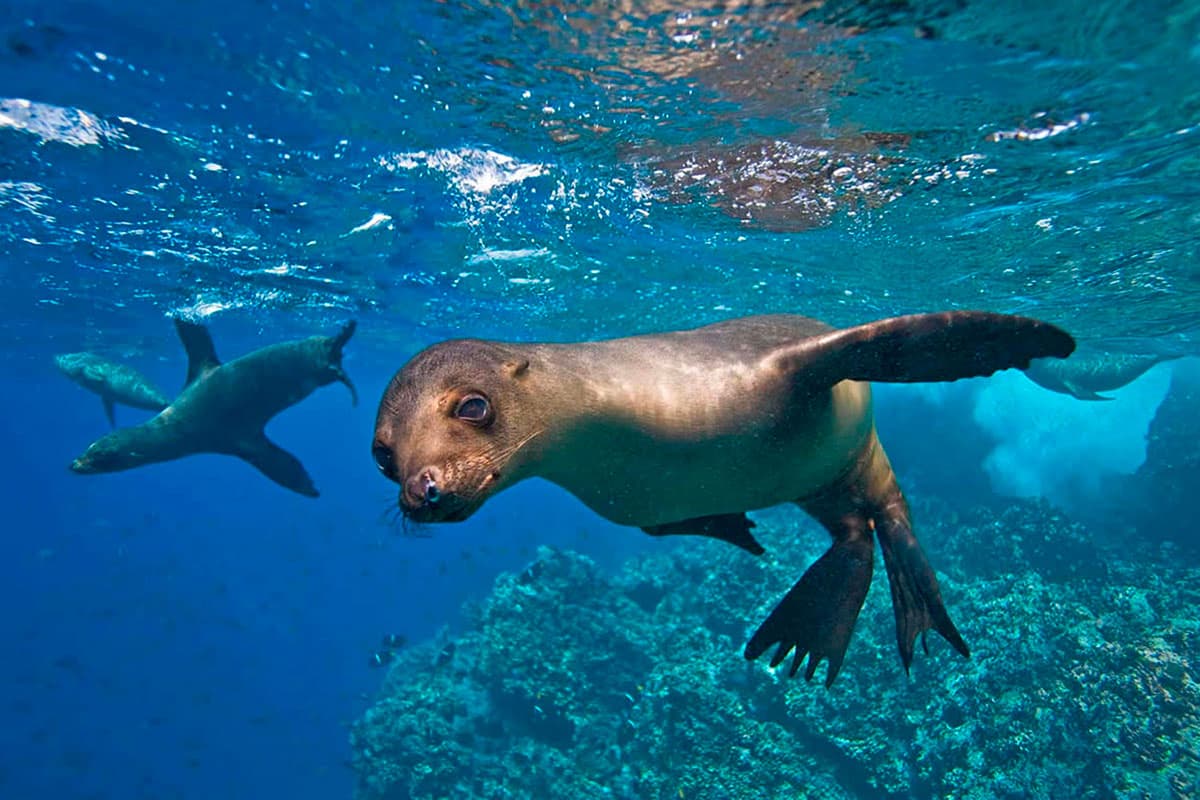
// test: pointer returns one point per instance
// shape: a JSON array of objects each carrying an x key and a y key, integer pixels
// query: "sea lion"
[
  {"x": 115, "y": 383},
  {"x": 1093, "y": 371},
  {"x": 224, "y": 407},
  {"x": 683, "y": 432}
]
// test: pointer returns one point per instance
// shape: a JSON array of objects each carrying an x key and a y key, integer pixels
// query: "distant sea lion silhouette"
[
  {"x": 115, "y": 383},
  {"x": 683, "y": 432},
  {"x": 224, "y": 407},
  {"x": 1092, "y": 371}
]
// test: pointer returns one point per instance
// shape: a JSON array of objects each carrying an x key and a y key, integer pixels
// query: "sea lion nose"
[{"x": 423, "y": 489}]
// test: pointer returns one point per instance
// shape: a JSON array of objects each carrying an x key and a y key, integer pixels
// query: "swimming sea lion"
[
  {"x": 115, "y": 383},
  {"x": 224, "y": 407},
  {"x": 684, "y": 432},
  {"x": 1093, "y": 371}
]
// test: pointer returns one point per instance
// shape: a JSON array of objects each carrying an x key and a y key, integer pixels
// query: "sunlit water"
[{"x": 533, "y": 171}]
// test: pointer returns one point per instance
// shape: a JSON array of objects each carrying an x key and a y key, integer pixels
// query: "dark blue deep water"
[{"x": 564, "y": 171}]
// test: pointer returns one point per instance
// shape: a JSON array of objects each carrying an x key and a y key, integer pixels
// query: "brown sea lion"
[
  {"x": 683, "y": 432},
  {"x": 223, "y": 408}
]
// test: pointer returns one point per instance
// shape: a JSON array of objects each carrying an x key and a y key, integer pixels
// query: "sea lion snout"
[{"x": 424, "y": 489}]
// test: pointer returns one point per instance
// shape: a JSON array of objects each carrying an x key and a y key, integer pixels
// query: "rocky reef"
[
  {"x": 570, "y": 682},
  {"x": 1156, "y": 501}
]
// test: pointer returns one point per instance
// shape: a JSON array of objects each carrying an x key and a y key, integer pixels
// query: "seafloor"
[{"x": 570, "y": 682}]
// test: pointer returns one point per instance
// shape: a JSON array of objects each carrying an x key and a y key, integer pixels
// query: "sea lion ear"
[{"x": 516, "y": 369}]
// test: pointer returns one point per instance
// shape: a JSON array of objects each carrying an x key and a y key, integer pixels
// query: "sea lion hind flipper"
[
  {"x": 276, "y": 463},
  {"x": 336, "y": 343},
  {"x": 343, "y": 335},
  {"x": 816, "y": 617},
  {"x": 198, "y": 344},
  {"x": 732, "y": 528},
  {"x": 916, "y": 597},
  {"x": 944, "y": 346}
]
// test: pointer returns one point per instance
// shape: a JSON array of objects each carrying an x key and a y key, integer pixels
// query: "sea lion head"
[
  {"x": 81, "y": 368},
  {"x": 109, "y": 453},
  {"x": 453, "y": 426}
]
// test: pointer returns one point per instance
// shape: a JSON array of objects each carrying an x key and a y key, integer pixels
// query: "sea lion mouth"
[
  {"x": 426, "y": 498},
  {"x": 446, "y": 508}
]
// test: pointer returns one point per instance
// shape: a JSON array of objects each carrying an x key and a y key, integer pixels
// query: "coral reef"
[{"x": 569, "y": 682}]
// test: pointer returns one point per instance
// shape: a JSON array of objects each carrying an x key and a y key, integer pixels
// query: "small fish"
[
  {"x": 115, "y": 383},
  {"x": 381, "y": 659}
]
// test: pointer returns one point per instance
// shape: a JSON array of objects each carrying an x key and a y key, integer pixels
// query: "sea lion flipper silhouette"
[
  {"x": 1083, "y": 393},
  {"x": 732, "y": 528},
  {"x": 198, "y": 344},
  {"x": 276, "y": 463},
  {"x": 918, "y": 348},
  {"x": 336, "y": 344}
]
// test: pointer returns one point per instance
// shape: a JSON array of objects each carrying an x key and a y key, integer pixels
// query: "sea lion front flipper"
[
  {"x": 817, "y": 616},
  {"x": 198, "y": 344},
  {"x": 1079, "y": 393},
  {"x": 923, "y": 347},
  {"x": 276, "y": 463},
  {"x": 109, "y": 411},
  {"x": 916, "y": 597},
  {"x": 732, "y": 528}
]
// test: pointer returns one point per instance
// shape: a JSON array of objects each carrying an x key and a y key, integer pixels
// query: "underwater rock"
[
  {"x": 1157, "y": 501},
  {"x": 573, "y": 683}
]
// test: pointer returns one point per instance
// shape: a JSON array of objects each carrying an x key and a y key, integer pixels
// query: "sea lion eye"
[
  {"x": 475, "y": 409},
  {"x": 384, "y": 459}
]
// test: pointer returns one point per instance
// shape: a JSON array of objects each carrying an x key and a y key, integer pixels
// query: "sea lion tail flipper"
[
  {"x": 276, "y": 463},
  {"x": 198, "y": 345},
  {"x": 945, "y": 346},
  {"x": 732, "y": 528},
  {"x": 336, "y": 343},
  {"x": 817, "y": 616},
  {"x": 109, "y": 411},
  {"x": 341, "y": 337},
  {"x": 343, "y": 378},
  {"x": 916, "y": 597}
]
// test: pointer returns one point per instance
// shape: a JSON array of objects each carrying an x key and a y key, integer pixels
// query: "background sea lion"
[
  {"x": 1093, "y": 370},
  {"x": 683, "y": 432},
  {"x": 115, "y": 383},
  {"x": 224, "y": 407}
]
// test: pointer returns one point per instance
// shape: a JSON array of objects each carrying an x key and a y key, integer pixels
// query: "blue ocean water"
[{"x": 535, "y": 171}]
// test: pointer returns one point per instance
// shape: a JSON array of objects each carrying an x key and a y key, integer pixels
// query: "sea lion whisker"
[{"x": 491, "y": 455}]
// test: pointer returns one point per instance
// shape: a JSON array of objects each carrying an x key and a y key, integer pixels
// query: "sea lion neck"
[
  {"x": 570, "y": 395},
  {"x": 585, "y": 392}
]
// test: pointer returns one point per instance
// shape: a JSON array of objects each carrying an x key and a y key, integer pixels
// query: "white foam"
[{"x": 1060, "y": 448}]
